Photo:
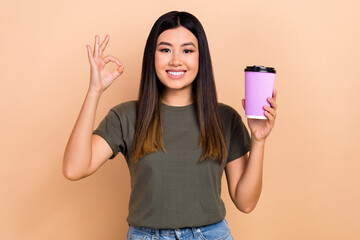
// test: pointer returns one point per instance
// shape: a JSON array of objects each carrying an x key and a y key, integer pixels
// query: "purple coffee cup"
[{"x": 259, "y": 85}]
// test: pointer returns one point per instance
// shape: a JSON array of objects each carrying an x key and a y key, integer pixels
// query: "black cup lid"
[{"x": 257, "y": 68}]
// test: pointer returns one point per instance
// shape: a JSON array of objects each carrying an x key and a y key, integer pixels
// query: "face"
[{"x": 177, "y": 59}]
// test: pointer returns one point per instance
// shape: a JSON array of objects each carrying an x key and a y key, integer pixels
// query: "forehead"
[{"x": 177, "y": 35}]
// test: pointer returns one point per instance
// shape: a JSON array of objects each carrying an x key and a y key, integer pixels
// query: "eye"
[
  {"x": 188, "y": 51},
  {"x": 165, "y": 50}
]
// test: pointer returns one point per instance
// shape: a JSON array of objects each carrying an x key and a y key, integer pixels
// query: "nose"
[{"x": 175, "y": 60}]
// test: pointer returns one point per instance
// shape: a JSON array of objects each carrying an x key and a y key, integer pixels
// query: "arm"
[
  {"x": 81, "y": 157},
  {"x": 84, "y": 152},
  {"x": 244, "y": 175}
]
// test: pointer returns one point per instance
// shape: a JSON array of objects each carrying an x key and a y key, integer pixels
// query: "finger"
[
  {"x": 274, "y": 93},
  {"x": 272, "y": 102},
  {"x": 118, "y": 71},
  {"x": 103, "y": 44},
  {"x": 91, "y": 60},
  {"x": 270, "y": 114},
  {"x": 270, "y": 110},
  {"x": 270, "y": 117},
  {"x": 96, "y": 46},
  {"x": 108, "y": 59},
  {"x": 243, "y": 103}
]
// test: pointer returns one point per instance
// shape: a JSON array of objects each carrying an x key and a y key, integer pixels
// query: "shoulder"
[
  {"x": 227, "y": 111},
  {"x": 230, "y": 118},
  {"x": 125, "y": 108}
]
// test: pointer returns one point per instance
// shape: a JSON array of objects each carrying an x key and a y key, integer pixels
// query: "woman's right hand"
[{"x": 101, "y": 78}]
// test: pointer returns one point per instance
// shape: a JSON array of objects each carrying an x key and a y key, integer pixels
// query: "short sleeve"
[
  {"x": 240, "y": 141},
  {"x": 110, "y": 129}
]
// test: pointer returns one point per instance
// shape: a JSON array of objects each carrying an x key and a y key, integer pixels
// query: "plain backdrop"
[{"x": 311, "y": 170}]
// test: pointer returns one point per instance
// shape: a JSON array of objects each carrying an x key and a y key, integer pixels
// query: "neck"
[{"x": 177, "y": 98}]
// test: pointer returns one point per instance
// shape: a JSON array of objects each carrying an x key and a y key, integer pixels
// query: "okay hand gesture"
[{"x": 101, "y": 78}]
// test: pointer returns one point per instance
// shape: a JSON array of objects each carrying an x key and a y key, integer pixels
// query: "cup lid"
[{"x": 257, "y": 68}]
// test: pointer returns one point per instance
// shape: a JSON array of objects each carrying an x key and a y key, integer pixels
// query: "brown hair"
[{"x": 148, "y": 133}]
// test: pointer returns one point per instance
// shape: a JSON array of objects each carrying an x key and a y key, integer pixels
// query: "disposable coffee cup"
[{"x": 259, "y": 85}]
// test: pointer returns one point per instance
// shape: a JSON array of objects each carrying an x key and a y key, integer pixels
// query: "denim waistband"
[
  {"x": 182, "y": 232},
  {"x": 179, "y": 233}
]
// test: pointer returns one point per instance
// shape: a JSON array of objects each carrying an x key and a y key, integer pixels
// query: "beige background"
[{"x": 311, "y": 172}]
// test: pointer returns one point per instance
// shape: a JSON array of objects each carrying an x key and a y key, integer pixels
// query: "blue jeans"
[{"x": 216, "y": 231}]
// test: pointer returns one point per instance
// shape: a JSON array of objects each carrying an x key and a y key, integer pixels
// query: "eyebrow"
[{"x": 169, "y": 44}]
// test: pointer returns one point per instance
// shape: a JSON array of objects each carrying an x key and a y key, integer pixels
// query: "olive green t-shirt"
[{"x": 172, "y": 189}]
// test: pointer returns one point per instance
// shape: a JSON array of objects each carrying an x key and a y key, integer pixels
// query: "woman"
[{"x": 177, "y": 139}]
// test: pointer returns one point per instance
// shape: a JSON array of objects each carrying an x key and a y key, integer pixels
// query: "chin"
[{"x": 176, "y": 86}]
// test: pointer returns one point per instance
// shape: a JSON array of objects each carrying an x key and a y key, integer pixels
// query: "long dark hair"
[{"x": 148, "y": 133}]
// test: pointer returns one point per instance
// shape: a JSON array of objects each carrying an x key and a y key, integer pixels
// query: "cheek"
[
  {"x": 195, "y": 64},
  {"x": 160, "y": 62},
  {"x": 156, "y": 62},
  {"x": 159, "y": 66}
]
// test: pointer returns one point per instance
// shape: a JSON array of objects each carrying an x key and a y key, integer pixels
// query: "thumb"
[{"x": 118, "y": 71}]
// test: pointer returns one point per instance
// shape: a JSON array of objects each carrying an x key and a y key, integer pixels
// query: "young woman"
[{"x": 176, "y": 138}]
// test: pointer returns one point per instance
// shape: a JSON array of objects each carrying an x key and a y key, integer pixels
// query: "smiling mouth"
[{"x": 176, "y": 73}]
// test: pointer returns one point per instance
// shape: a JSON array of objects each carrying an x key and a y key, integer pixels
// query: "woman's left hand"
[{"x": 260, "y": 129}]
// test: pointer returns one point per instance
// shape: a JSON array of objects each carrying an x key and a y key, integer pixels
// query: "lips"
[{"x": 175, "y": 73}]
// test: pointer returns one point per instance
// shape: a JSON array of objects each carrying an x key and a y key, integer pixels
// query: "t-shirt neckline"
[{"x": 178, "y": 108}]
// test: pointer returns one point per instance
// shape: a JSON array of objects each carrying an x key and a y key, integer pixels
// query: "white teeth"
[{"x": 176, "y": 73}]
